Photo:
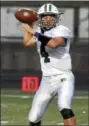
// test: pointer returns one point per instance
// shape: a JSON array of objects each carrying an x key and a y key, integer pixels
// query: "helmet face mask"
[
  {"x": 48, "y": 16},
  {"x": 48, "y": 21}
]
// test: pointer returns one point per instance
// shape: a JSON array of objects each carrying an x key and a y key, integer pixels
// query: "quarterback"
[{"x": 53, "y": 44}]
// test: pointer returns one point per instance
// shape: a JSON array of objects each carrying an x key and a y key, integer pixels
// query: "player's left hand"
[{"x": 28, "y": 28}]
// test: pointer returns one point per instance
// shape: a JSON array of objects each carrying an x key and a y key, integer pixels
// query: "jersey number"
[{"x": 44, "y": 53}]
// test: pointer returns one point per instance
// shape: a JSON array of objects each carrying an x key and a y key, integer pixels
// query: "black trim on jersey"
[
  {"x": 43, "y": 51},
  {"x": 44, "y": 39},
  {"x": 65, "y": 42}
]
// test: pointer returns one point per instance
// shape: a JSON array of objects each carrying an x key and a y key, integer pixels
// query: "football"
[{"x": 26, "y": 16}]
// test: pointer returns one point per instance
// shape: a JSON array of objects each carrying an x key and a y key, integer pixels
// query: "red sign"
[{"x": 30, "y": 84}]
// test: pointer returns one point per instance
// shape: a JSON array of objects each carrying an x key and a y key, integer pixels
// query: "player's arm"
[
  {"x": 56, "y": 42},
  {"x": 28, "y": 38},
  {"x": 51, "y": 42}
]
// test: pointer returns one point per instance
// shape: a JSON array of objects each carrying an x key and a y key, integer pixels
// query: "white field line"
[
  {"x": 6, "y": 122},
  {"x": 61, "y": 124},
  {"x": 29, "y": 96}
]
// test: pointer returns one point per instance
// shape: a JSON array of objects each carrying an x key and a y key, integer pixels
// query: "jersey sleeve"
[{"x": 62, "y": 32}]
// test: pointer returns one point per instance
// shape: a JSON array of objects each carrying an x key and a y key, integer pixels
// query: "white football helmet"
[{"x": 48, "y": 10}]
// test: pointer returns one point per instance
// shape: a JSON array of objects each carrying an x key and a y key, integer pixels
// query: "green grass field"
[{"x": 15, "y": 108}]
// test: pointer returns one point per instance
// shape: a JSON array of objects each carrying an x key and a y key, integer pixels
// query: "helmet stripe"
[
  {"x": 45, "y": 8},
  {"x": 50, "y": 7}
]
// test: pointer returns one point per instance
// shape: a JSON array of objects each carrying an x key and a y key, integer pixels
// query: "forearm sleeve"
[{"x": 42, "y": 38}]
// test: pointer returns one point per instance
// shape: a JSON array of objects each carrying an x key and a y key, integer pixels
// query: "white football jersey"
[{"x": 60, "y": 60}]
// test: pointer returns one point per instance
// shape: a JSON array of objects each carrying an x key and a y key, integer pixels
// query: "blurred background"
[{"x": 17, "y": 61}]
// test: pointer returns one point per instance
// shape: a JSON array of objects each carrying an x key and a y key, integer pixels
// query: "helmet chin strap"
[{"x": 47, "y": 28}]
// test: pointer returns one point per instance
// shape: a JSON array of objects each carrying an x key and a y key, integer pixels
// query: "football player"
[{"x": 53, "y": 44}]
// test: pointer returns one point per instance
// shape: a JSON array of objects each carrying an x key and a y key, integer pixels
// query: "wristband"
[{"x": 36, "y": 34}]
